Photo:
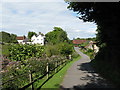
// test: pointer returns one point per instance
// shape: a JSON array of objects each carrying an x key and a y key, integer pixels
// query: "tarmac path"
[{"x": 81, "y": 75}]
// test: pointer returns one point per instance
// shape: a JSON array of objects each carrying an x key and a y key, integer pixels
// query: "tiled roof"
[
  {"x": 79, "y": 41},
  {"x": 20, "y": 37}
]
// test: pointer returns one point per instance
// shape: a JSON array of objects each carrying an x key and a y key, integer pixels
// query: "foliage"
[
  {"x": 51, "y": 50},
  {"x": 63, "y": 49},
  {"x": 30, "y": 34},
  {"x": 8, "y": 38},
  {"x": 89, "y": 52},
  {"x": 5, "y": 50},
  {"x": 56, "y": 36},
  {"x": 93, "y": 39},
  {"x": 106, "y": 16},
  {"x": 17, "y": 75},
  {"x": 19, "y": 52},
  {"x": 57, "y": 42}
]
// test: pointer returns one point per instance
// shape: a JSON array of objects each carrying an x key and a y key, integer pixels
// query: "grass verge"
[{"x": 56, "y": 80}]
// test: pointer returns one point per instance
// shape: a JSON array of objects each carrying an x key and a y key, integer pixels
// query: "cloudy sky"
[{"x": 21, "y": 16}]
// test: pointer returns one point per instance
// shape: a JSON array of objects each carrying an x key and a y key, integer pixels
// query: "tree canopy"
[
  {"x": 30, "y": 34},
  {"x": 56, "y": 36},
  {"x": 106, "y": 16},
  {"x": 8, "y": 38}
]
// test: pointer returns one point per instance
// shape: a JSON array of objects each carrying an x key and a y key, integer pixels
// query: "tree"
[
  {"x": 13, "y": 38},
  {"x": 8, "y": 38},
  {"x": 5, "y": 37},
  {"x": 30, "y": 34},
  {"x": 106, "y": 16},
  {"x": 56, "y": 36}
]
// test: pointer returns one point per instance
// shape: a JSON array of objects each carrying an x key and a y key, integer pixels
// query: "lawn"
[{"x": 56, "y": 80}]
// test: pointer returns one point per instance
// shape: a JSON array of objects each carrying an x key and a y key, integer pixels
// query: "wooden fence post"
[
  {"x": 55, "y": 66},
  {"x": 31, "y": 79},
  {"x": 47, "y": 68}
]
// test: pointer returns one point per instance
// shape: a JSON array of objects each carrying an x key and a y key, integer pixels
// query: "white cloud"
[{"x": 19, "y": 18}]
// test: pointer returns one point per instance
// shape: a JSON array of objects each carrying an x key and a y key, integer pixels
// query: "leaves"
[{"x": 20, "y": 52}]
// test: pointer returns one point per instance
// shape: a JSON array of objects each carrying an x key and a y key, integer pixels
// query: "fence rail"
[{"x": 49, "y": 72}]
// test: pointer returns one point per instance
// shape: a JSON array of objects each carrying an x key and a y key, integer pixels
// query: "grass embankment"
[{"x": 56, "y": 80}]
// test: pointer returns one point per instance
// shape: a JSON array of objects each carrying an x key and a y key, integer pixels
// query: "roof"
[
  {"x": 26, "y": 40},
  {"x": 78, "y": 41},
  {"x": 20, "y": 37}
]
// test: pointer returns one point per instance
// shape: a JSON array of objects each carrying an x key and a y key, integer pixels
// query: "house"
[
  {"x": 20, "y": 39},
  {"x": 38, "y": 39},
  {"x": 92, "y": 45},
  {"x": 26, "y": 41},
  {"x": 78, "y": 42}
]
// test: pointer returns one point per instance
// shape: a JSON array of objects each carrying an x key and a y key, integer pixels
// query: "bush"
[
  {"x": 19, "y": 52},
  {"x": 51, "y": 50},
  {"x": 17, "y": 75},
  {"x": 64, "y": 49},
  {"x": 75, "y": 55}
]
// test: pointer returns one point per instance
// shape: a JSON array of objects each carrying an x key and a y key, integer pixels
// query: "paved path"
[{"x": 81, "y": 75}]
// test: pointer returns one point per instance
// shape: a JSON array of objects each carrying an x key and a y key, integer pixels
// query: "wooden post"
[
  {"x": 55, "y": 66},
  {"x": 31, "y": 79},
  {"x": 47, "y": 69}
]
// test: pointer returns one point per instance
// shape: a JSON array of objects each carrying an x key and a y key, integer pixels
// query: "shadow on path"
[
  {"x": 84, "y": 77},
  {"x": 95, "y": 81}
]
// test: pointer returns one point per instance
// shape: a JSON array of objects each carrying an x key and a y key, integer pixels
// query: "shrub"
[
  {"x": 51, "y": 50},
  {"x": 19, "y": 52},
  {"x": 65, "y": 49}
]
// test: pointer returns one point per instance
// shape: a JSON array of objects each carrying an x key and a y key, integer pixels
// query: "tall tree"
[
  {"x": 106, "y": 16},
  {"x": 56, "y": 36},
  {"x": 13, "y": 38}
]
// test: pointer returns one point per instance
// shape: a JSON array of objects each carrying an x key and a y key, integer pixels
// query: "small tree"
[{"x": 30, "y": 34}]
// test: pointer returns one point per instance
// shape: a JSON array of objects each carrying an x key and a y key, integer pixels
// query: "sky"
[{"x": 21, "y": 16}]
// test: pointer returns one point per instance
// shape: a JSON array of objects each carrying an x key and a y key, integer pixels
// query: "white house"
[
  {"x": 20, "y": 39},
  {"x": 38, "y": 39},
  {"x": 92, "y": 45}
]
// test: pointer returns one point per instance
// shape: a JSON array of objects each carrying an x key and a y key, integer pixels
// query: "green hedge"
[{"x": 19, "y": 52}]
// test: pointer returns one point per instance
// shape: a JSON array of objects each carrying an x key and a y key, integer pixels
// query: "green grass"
[{"x": 56, "y": 80}]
